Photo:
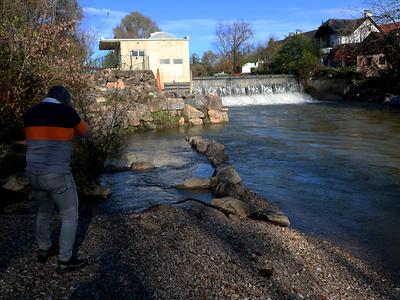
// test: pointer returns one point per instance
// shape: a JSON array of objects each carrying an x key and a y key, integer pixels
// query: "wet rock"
[
  {"x": 239, "y": 207},
  {"x": 142, "y": 167},
  {"x": 199, "y": 102},
  {"x": 208, "y": 214},
  {"x": 273, "y": 215},
  {"x": 133, "y": 118},
  {"x": 200, "y": 183},
  {"x": 196, "y": 121},
  {"x": 215, "y": 153},
  {"x": 217, "y": 116},
  {"x": 214, "y": 102},
  {"x": 192, "y": 113},
  {"x": 149, "y": 126},
  {"x": 115, "y": 166},
  {"x": 228, "y": 174}
]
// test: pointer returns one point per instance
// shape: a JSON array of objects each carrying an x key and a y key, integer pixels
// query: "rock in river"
[
  {"x": 142, "y": 166},
  {"x": 200, "y": 183}
]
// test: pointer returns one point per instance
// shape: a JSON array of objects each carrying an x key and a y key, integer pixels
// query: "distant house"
[
  {"x": 162, "y": 53},
  {"x": 249, "y": 67},
  {"x": 371, "y": 58},
  {"x": 336, "y": 32}
]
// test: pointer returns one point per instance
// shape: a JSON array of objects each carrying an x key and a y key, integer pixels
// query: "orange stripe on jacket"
[
  {"x": 49, "y": 133},
  {"x": 82, "y": 128}
]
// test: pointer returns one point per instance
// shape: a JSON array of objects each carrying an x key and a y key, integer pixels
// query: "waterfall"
[
  {"x": 229, "y": 90},
  {"x": 267, "y": 99}
]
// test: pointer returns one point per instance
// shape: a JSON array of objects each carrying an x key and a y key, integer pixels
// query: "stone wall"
[
  {"x": 150, "y": 108},
  {"x": 328, "y": 89}
]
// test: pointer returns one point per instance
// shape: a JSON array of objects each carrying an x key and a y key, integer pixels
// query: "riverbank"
[
  {"x": 190, "y": 252},
  {"x": 185, "y": 251}
]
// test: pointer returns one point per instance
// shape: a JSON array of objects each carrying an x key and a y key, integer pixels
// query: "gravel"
[{"x": 184, "y": 252}]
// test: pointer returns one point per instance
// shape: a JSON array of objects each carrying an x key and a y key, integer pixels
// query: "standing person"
[{"x": 49, "y": 129}]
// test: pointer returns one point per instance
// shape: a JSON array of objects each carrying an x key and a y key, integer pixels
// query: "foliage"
[
  {"x": 337, "y": 73},
  {"x": 386, "y": 11},
  {"x": 135, "y": 26},
  {"x": 106, "y": 135},
  {"x": 231, "y": 39},
  {"x": 165, "y": 119},
  {"x": 38, "y": 48},
  {"x": 206, "y": 66},
  {"x": 299, "y": 56}
]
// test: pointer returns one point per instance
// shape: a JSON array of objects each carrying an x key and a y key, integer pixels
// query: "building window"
[
  {"x": 137, "y": 53},
  {"x": 382, "y": 60},
  {"x": 164, "y": 61},
  {"x": 178, "y": 61},
  {"x": 369, "y": 61}
]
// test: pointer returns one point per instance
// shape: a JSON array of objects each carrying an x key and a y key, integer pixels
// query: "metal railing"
[{"x": 115, "y": 61}]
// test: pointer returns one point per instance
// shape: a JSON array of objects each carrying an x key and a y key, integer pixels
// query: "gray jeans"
[{"x": 59, "y": 189}]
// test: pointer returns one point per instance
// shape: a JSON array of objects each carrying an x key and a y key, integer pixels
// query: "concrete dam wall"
[{"x": 246, "y": 85}]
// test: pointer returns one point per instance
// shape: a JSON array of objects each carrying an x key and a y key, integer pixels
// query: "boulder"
[
  {"x": 229, "y": 174},
  {"x": 240, "y": 208},
  {"x": 227, "y": 183},
  {"x": 115, "y": 165},
  {"x": 181, "y": 121},
  {"x": 200, "y": 183},
  {"x": 273, "y": 215},
  {"x": 214, "y": 102},
  {"x": 215, "y": 153},
  {"x": 198, "y": 102},
  {"x": 217, "y": 116},
  {"x": 196, "y": 121},
  {"x": 191, "y": 112},
  {"x": 208, "y": 214},
  {"x": 173, "y": 104},
  {"x": 133, "y": 118},
  {"x": 143, "y": 113},
  {"x": 142, "y": 166}
]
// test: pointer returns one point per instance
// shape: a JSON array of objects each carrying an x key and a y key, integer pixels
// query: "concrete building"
[
  {"x": 162, "y": 53},
  {"x": 249, "y": 67}
]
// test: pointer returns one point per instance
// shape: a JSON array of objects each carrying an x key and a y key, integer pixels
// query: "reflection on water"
[{"x": 334, "y": 168}]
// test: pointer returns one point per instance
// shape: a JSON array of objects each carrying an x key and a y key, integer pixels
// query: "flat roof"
[{"x": 113, "y": 44}]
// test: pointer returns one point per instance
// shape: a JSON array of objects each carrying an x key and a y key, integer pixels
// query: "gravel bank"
[{"x": 185, "y": 252}]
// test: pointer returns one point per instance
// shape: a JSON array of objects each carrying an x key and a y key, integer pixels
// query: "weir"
[{"x": 247, "y": 85}]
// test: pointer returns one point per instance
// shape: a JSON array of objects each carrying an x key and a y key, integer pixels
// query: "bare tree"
[
  {"x": 385, "y": 11},
  {"x": 231, "y": 40},
  {"x": 135, "y": 25}
]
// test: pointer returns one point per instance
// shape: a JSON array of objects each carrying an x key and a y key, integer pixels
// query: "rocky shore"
[{"x": 230, "y": 248}]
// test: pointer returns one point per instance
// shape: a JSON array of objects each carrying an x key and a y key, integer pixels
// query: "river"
[{"x": 332, "y": 167}]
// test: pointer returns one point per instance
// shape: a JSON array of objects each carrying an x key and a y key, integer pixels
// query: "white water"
[{"x": 267, "y": 99}]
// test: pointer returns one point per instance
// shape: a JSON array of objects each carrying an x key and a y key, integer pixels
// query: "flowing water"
[{"x": 334, "y": 168}]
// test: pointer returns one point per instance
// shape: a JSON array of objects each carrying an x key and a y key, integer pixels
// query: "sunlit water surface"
[{"x": 334, "y": 168}]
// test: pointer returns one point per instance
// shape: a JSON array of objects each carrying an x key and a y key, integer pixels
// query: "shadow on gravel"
[
  {"x": 114, "y": 279},
  {"x": 16, "y": 239}
]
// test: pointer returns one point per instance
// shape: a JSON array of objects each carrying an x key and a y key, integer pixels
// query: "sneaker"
[
  {"x": 44, "y": 255},
  {"x": 74, "y": 264}
]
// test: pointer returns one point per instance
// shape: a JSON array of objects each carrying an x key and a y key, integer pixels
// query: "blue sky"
[{"x": 198, "y": 19}]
